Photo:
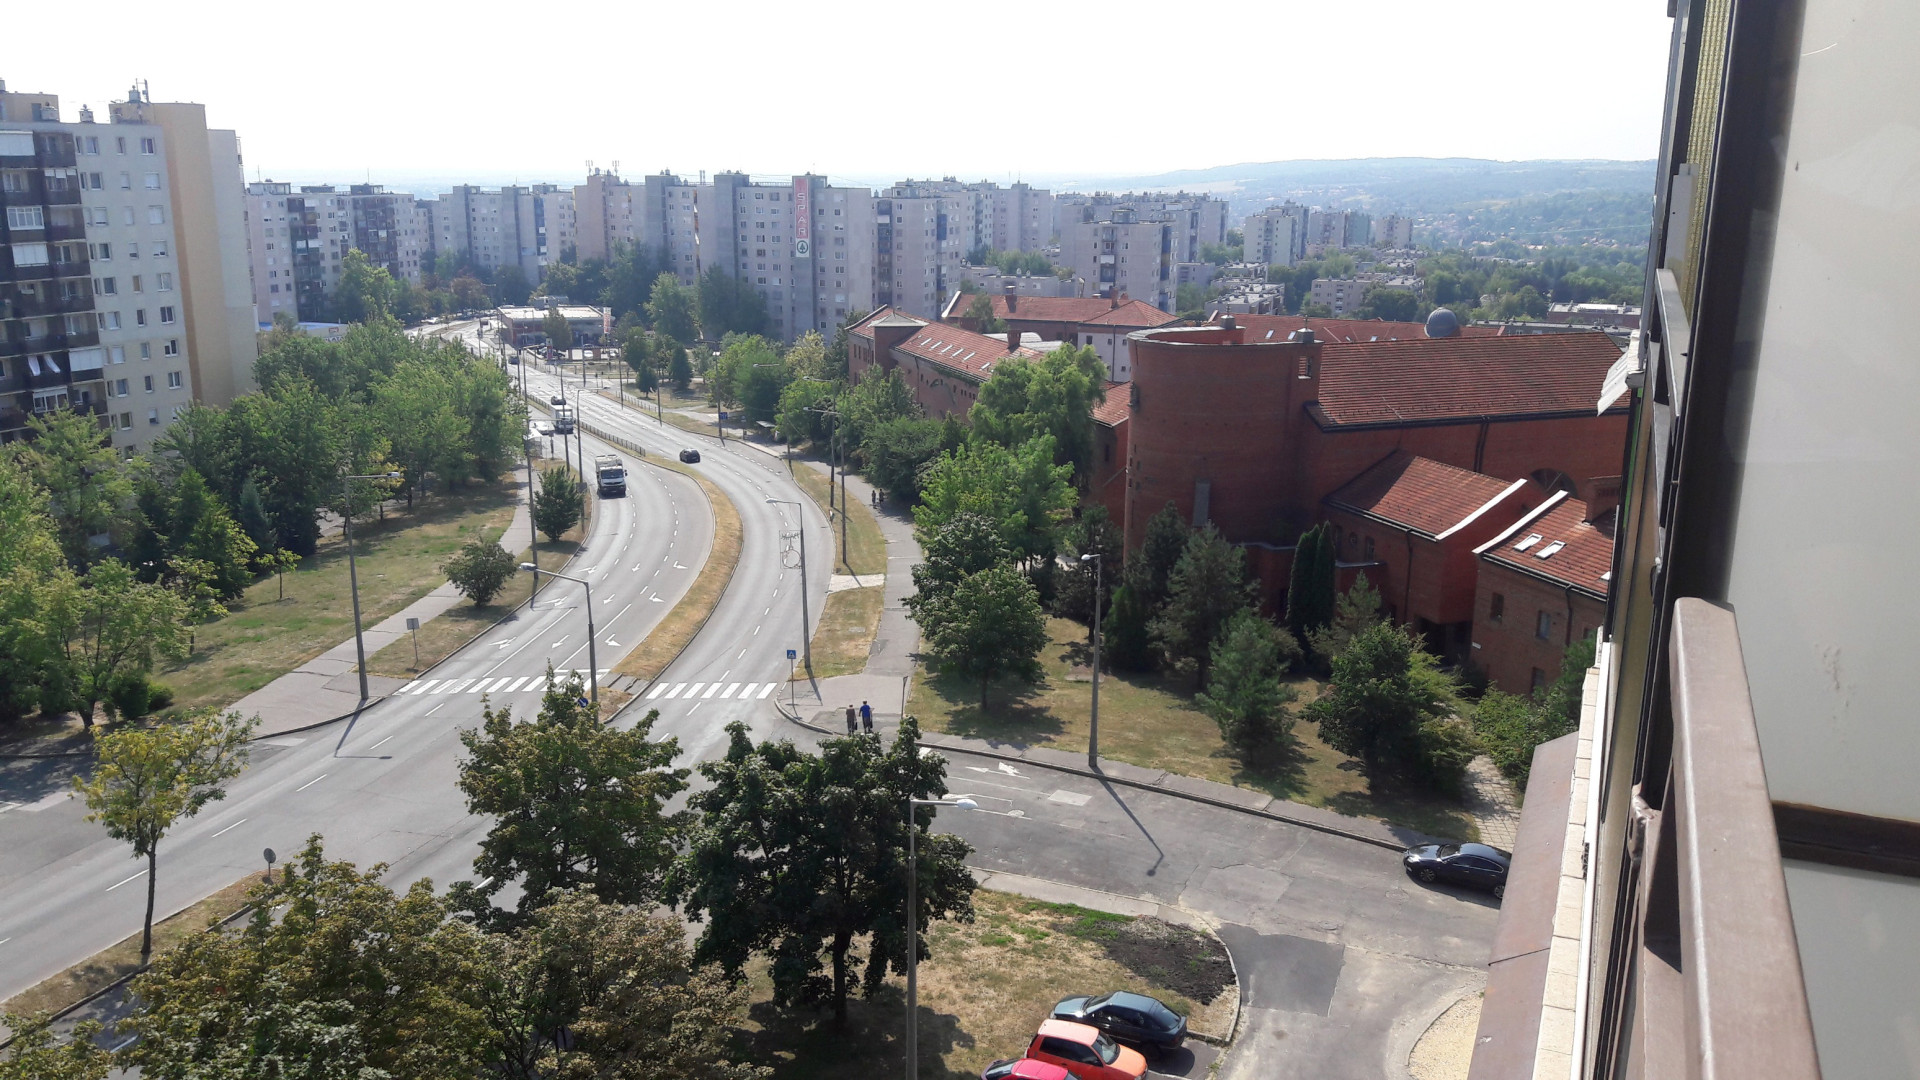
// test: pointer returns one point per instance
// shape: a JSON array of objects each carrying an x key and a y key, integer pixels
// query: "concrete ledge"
[{"x": 1244, "y": 798}]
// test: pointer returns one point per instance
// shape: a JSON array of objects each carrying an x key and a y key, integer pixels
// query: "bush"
[
  {"x": 1443, "y": 748},
  {"x": 129, "y": 697},
  {"x": 480, "y": 570},
  {"x": 159, "y": 696}
]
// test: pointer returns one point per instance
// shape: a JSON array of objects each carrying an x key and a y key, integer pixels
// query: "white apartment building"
[
  {"x": 1196, "y": 220},
  {"x": 512, "y": 226},
  {"x": 1393, "y": 231},
  {"x": 297, "y": 237},
  {"x": 923, "y": 233},
  {"x": 607, "y": 213},
  {"x": 1276, "y": 236},
  {"x": 129, "y": 269},
  {"x": 1333, "y": 230},
  {"x": 1124, "y": 256}
]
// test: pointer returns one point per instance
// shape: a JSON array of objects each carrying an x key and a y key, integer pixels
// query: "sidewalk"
[{"x": 327, "y": 687}]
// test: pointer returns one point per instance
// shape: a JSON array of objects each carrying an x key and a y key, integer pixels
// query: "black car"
[
  {"x": 690, "y": 456},
  {"x": 557, "y": 399},
  {"x": 1134, "y": 1018},
  {"x": 1475, "y": 865}
]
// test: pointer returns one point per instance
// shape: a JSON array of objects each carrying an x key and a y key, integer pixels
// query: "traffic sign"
[
  {"x": 792, "y": 654},
  {"x": 723, "y": 414}
]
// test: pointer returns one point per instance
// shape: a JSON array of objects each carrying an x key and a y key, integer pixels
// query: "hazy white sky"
[{"x": 872, "y": 91}]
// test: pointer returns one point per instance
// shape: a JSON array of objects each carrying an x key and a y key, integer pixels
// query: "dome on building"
[{"x": 1442, "y": 322}]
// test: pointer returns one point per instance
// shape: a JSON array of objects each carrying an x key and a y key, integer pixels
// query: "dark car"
[
  {"x": 557, "y": 399},
  {"x": 690, "y": 456},
  {"x": 1134, "y": 1018},
  {"x": 1475, "y": 865}
]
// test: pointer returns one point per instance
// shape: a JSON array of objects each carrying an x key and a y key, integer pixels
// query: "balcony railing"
[{"x": 1719, "y": 988}]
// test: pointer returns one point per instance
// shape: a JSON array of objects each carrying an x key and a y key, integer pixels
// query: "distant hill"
[{"x": 1388, "y": 184}]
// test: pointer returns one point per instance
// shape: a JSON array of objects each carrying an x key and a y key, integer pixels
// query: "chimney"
[
  {"x": 1227, "y": 323},
  {"x": 1113, "y": 303},
  {"x": 1013, "y": 340},
  {"x": 1012, "y": 292},
  {"x": 1603, "y": 497}
]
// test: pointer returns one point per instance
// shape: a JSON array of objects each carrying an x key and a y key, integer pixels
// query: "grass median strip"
[
  {"x": 865, "y": 552},
  {"x": 844, "y": 636},
  {"x": 652, "y": 656},
  {"x": 99, "y": 971}
]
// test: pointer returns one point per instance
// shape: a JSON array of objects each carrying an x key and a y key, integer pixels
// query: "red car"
[
  {"x": 1086, "y": 1052},
  {"x": 1022, "y": 1069}
]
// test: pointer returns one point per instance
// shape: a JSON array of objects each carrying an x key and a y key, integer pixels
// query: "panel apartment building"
[
  {"x": 522, "y": 226},
  {"x": 296, "y": 238},
  {"x": 123, "y": 275}
]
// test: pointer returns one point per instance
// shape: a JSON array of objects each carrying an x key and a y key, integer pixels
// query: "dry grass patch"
[
  {"x": 100, "y": 970},
  {"x": 399, "y": 561},
  {"x": 865, "y": 550},
  {"x": 1151, "y": 720},
  {"x": 987, "y": 986},
  {"x": 844, "y": 635},
  {"x": 652, "y": 656}
]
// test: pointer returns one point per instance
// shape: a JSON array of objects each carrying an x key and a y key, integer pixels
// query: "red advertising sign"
[{"x": 802, "y": 218}]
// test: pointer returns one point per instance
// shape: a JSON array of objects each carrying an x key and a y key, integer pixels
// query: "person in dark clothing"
[
  {"x": 866, "y": 717},
  {"x": 851, "y": 729}
]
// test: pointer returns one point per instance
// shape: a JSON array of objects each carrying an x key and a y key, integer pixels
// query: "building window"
[
  {"x": 136, "y": 283},
  {"x": 172, "y": 348},
  {"x": 146, "y": 146},
  {"x": 166, "y": 315},
  {"x": 148, "y": 381},
  {"x": 151, "y": 181},
  {"x": 173, "y": 380},
  {"x": 1497, "y": 607},
  {"x": 1369, "y": 550},
  {"x": 156, "y": 215},
  {"x": 30, "y": 255},
  {"x": 159, "y": 249},
  {"x": 124, "y": 421},
  {"x": 139, "y": 316},
  {"x": 163, "y": 282},
  {"x": 26, "y": 217},
  {"x": 1539, "y": 680},
  {"x": 153, "y": 417},
  {"x": 1543, "y": 627},
  {"x": 120, "y": 144}
]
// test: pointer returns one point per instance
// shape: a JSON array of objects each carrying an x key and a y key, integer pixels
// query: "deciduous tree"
[
  {"x": 1021, "y": 489},
  {"x": 480, "y": 570},
  {"x": 145, "y": 780},
  {"x": 33, "y": 1053},
  {"x": 802, "y": 858},
  {"x": 559, "y": 503},
  {"x": 111, "y": 624},
  {"x": 989, "y": 625},
  {"x": 366, "y": 291},
  {"x": 69, "y": 456},
  {"x": 1384, "y": 687},
  {"x": 671, "y": 309},
  {"x": 964, "y": 546},
  {"x": 1054, "y": 395}
]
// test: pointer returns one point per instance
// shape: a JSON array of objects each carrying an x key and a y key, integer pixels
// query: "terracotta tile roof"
[
  {"x": 883, "y": 314},
  {"x": 1060, "y": 309},
  {"x": 1437, "y": 380},
  {"x": 1132, "y": 315},
  {"x": 964, "y": 352},
  {"x": 1277, "y": 327},
  {"x": 1569, "y": 549},
  {"x": 1117, "y": 408},
  {"x": 1424, "y": 494}
]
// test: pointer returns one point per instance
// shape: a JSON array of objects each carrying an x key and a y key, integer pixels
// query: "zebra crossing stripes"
[
  {"x": 538, "y": 684},
  {"x": 723, "y": 691}
]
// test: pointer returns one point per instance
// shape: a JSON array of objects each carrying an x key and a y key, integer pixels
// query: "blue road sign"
[
  {"x": 791, "y": 653},
  {"x": 723, "y": 414}
]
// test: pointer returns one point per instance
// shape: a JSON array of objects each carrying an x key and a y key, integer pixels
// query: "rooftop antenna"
[
  {"x": 589, "y": 167},
  {"x": 616, "y": 168}
]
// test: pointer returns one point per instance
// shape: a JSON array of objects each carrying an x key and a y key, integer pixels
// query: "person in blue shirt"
[{"x": 866, "y": 717}]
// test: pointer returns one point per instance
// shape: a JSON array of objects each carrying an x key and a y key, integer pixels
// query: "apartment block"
[
  {"x": 1194, "y": 220},
  {"x": 1345, "y": 294},
  {"x": 1334, "y": 230},
  {"x": 1393, "y": 231},
  {"x": 520, "y": 226},
  {"x": 297, "y": 237},
  {"x": 1276, "y": 236},
  {"x": 125, "y": 287},
  {"x": 923, "y": 233},
  {"x": 608, "y": 214},
  {"x": 1123, "y": 256}
]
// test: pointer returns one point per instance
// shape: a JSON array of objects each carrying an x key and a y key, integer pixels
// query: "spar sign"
[{"x": 802, "y": 218}]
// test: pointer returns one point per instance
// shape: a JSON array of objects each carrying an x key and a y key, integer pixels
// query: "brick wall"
[{"x": 1510, "y": 648}]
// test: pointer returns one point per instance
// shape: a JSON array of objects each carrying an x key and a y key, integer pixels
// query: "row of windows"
[
  {"x": 90, "y": 144},
  {"x": 119, "y": 387}
]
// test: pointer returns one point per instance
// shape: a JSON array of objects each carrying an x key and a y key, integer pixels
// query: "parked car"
[
  {"x": 557, "y": 399},
  {"x": 1132, "y": 1018},
  {"x": 1086, "y": 1052},
  {"x": 1475, "y": 865},
  {"x": 1023, "y": 1069},
  {"x": 690, "y": 456}
]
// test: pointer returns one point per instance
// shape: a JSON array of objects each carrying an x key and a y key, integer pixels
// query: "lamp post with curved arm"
[
  {"x": 913, "y": 924},
  {"x": 353, "y": 573},
  {"x": 593, "y": 662},
  {"x": 800, "y": 527}
]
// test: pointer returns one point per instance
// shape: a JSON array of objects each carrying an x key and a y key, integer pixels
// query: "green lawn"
[
  {"x": 399, "y": 560},
  {"x": 1151, "y": 720}
]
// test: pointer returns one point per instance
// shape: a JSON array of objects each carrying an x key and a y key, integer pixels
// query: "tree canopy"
[
  {"x": 1020, "y": 489},
  {"x": 1053, "y": 396}
]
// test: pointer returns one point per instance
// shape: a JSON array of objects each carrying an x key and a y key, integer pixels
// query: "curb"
[{"x": 1104, "y": 778}]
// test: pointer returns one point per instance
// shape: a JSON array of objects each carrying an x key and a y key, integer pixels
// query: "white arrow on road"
[
  {"x": 559, "y": 643},
  {"x": 1011, "y": 771},
  {"x": 656, "y": 598},
  {"x": 612, "y": 643}
]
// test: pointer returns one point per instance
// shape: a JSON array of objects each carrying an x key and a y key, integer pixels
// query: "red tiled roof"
[
  {"x": 1584, "y": 558},
  {"x": 1133, "y": 313},
  {"x": 1277, "y": 327},
  {"x": 963, "y": 351},
  {"x": 864, "y": 328},
  {"x": 1062, "y": 309},
  {"x": 1436, "y": 380},
  {"x": 1117, "y": 408},
  {"x": 1419, "y": 492}
]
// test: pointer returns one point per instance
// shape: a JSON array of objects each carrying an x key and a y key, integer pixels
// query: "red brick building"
[
  {"x": 1542, "y": 585},
  {"x": 942, "y": 364},
  {"x": 1101, "y": 323},
  {"x": 1252, "y": 433},
  {"x": 1413, "y": 526}
]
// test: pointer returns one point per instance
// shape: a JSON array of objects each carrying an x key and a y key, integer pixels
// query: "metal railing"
[{"x": 1719, "y": 985}]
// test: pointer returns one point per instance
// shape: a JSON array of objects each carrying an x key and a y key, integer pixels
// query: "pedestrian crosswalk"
[
  {"x": 538, "y": 684},
  {"x": 703, "y": 691}
]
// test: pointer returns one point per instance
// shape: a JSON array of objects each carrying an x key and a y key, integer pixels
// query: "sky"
[{"x": 406, "y": 92}]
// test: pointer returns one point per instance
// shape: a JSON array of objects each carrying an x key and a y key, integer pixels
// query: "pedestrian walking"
[
  {"x": 866, "y": 717},
  {"x": 851, "y": 729}
]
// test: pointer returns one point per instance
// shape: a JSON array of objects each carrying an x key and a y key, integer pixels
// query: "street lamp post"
[
  {"x": 1093, "y": 725},
  {"x": 353, "y": 574},
  {"x": 913, "y": 925},
  {"x": 833, "y": 459},
  {"x": 800, "y": 527},
  {"x": 593, "y": 662}
]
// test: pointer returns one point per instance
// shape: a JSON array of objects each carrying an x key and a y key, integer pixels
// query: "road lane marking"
[
  {"x": 694, "y": 689},
  {"x": 756, "y": 631},
  {"x": 427, "y": 687},
  {"x": 746, "y": 690},
  {"x": 1069, "y": 798},
  {"x": 408, "y": 689},
  {"x": 436, "y": 708},
  {"x": 743, "y": 652},
  {"x": 710, "y": 691},
  {"x": 381, "y": 743},
  {"x": 124, "y": 1044},
  {"x": 768, "y": 689},
  {"x": 696, "y": 708},
  {"x": 731, "y": 687},
  {"x": 237, "y": 824},
  {"x": 310, "y": 783},
  {"x": 481, "y": 686},
  {"x": 452, "y": 686},
  {"x": 506, "y": 687},
  {"x": 656, "y": 691},
  {"x": 117, "y": 884}
]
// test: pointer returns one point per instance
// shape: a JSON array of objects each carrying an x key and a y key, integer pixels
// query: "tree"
[
  {"x": 1054, "y": 395},
  {"x": 1510, "y": 727},
  {"x": 202, "y": 530},
  {"x": 638, "y": 353},
  {"x": 1393, "y": 305},
  {"x": 559, "y": 503},
  {"x": 1190, "y": 301},
  {"x": 990, "y": 624},
  {"x": 671, "y": 308},
  {"x": 112, "y": 625},
  {"x": 980, "y": 312},
  {"x": 1358, "y": 608},
  {"x": 1383, "y": 688},
  {"x": 558, "y": 330},
  {"x": 576, "y": 804},
  {"x": 749, "y": 374},
  {"x": 1150, "y": 570},
  {"x": 333, "y": 978},
  {"x": 279, "y": 563},
  {"x": 874, "y": 400},
  {"x": 1126, "y": 633},
  {"x": 69, "y": 457},
  {"x": 679, "y": 368},
  {"x": 33, "y": 580},
  {"x": 1208, "y": 586},
  {"x": 33, "y": 1053},
  {"x": 966, "y": 545},
  {"x": 621, "y": 983},
  {"x": 729, "y": 305},
  {"x": 251, "y": 513},
  {"x": 145, "y": 780},
  {"x": 802, "y": 857},
  {"x": 193, "y": 581},
  {"x": 1244, "y": 693},
  {"x": 469, "y": 292},
  {"x": 480, "y": 570},
  {"x": 1310, "y": 585},
  {"x": 897, "y": 450},
  {"x": 1020, "y": 489},
  {"x": 800, "y": 412},
  {"x": 510, "y": 286},
  {"x": 366, "y": 292},
  {"x": 1093, "y": 534}
]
